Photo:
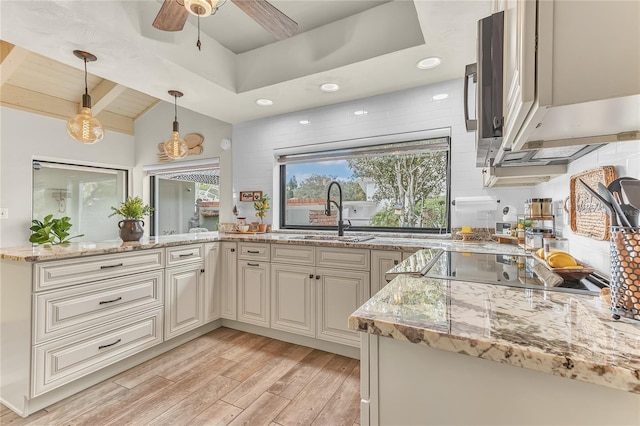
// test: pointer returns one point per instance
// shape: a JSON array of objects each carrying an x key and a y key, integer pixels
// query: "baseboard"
[{"x": 336, "y": 348}]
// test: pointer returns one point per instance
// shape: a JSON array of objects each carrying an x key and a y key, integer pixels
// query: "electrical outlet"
[{"x": 4, "y": 213}]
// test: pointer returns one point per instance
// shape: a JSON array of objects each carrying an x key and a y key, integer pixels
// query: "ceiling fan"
[{"x": 173, "y": 15}]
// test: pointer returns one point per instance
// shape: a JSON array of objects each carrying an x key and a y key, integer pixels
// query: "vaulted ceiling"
[{"x": 367, "y": 47}]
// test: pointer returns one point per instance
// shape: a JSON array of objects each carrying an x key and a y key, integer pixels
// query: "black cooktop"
[{"x": 505, "y": 269}]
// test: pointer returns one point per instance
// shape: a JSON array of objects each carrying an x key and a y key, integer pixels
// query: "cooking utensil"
[
  {"x": 615, "y": 185},
  {"x": 631, "y": 192},
  {"x": 607, "y": 205},
  {"x": 608, "y": 196}
]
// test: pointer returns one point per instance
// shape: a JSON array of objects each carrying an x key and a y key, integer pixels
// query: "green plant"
[
  {"x": 51, "y": 231},
  {"x": 261, "y": 205},
  {"x": 132, "y": 209}
]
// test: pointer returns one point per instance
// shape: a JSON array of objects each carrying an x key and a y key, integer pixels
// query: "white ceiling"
[{"x": 367, "y": 47}]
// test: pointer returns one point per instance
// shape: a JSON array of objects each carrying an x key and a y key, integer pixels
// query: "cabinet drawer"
[
  {"x": 254, "y": 251},
  {"x": 60, "y": 273},
  {"x": 344, "y": 258},
  {"x": 67, "y": 359},
  {"x": 179, "y": 255},
  {"x": 75, "y": 308},
  {"x": 299, "y": 255}
]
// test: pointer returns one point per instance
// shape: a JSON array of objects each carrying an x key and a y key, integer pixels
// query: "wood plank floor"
[{"x": 226, "y": 377}]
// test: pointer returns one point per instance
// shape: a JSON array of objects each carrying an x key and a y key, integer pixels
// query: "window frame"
[{"x": 282, "y": 191}]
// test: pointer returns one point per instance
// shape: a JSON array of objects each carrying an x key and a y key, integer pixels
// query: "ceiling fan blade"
[
  {"x": 269, "y": 17},
  {"x": 171, "y": 17}
]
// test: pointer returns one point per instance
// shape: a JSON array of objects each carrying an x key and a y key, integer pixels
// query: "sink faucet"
[{"x": 327, "y": 209}]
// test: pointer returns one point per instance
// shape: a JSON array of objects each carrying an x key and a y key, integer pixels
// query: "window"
[
  {"x": 186, "y": 197},
  {"x": 400, "y": 186},
  {"x": 83, "y": 193}
]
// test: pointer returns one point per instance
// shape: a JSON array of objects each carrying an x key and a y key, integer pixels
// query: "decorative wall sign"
[
  {"x": 250, "y": 195},
  {"x": 194, "y": 142}
]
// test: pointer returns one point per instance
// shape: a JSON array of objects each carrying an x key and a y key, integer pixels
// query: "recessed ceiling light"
[
  {"x": 428, "y": 63},
  {"x": 329, "y": 87},
  {"x": 440, "y": 96},
  {"x": 304, "y": 122},
  {"x": 264, "y": 102},
  {"x": 360, "y": 112}
]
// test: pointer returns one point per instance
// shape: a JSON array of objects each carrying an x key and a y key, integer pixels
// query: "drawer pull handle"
[
  {"x": 253, "y": 251},
  {"x": 253, "y": 264},
  {"x": 103, "y": 302},
  {"x": 186, "y": 254},
  {"x": 112, "y": 266},
  {"x": 110, "y": 344}
]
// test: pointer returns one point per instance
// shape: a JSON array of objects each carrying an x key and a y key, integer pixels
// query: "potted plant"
[
  {"x": 132, "y": 210},
  {"x": 261, "y": 205},
  {"x": 51, "y": 231}
]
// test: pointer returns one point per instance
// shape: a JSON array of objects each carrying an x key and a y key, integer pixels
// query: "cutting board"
[{"x": 586, "y": 214}]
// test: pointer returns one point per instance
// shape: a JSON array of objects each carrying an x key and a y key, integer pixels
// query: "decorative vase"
[
  {"x": 131, "y": 229},
  {"x": 262, "y": 227}
]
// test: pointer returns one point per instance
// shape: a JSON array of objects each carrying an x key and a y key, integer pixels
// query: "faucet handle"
[{"x": 347, "y": 225}]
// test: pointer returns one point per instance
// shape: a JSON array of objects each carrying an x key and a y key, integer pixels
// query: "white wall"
[
  {"x": 156, "y": 126},
  {"x": 25, "y": 136},
  {"x": 398, "y": 112},
  {"x": 625, "y": 156}
]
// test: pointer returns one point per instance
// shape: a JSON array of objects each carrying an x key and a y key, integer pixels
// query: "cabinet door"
[
  {"x": 293, "y": 299},
  {"x": 184, "y": 307},
  {"x": 339, "y": 294},
  {"x": 212, "y": 278},
  {"x": 381, "y": 262},
  {"x": 253, "y": 292},
  {"x": 228, "y": 280},
  {"x": 519, "y": 65}
]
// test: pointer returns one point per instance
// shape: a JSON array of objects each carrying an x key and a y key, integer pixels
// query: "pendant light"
[
  {"x": 175, "y": 147},
  {"x": 84, "y": 127}
]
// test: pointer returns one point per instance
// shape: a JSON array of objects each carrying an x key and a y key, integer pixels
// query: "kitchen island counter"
[{"x": 566, "y": 335}]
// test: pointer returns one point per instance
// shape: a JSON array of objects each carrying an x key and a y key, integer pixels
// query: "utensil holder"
[{"x": 625, "y": 272}]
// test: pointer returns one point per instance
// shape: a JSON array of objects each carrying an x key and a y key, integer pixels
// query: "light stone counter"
[
  {"x": 566, "y": 335},
  {"x": 54, "y": 252}
]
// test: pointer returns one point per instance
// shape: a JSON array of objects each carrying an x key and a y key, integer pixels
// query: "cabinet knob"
[
  {"x": 395, "y": 262},
  {"x": 317, "y": 277},
  {"x": 310, "y": 275},
  {"x": 232, "y": 250},
  {"x": 202, "y": 270}
]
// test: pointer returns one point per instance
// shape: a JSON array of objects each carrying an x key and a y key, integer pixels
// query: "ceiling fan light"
[
  {"x": 85, "y": 128},
  {"x": 200, "y": 7}
]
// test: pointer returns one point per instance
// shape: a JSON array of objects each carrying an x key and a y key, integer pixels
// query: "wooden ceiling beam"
[
  {"x": 103, "y": 94},
  {"x": 11, "y": 57},
  {"x": 39, "y": 103}
]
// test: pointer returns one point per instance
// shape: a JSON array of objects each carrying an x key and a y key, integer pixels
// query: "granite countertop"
[
  {"x": 562, "y": 334},
  {"x": 382, "y": 242}
]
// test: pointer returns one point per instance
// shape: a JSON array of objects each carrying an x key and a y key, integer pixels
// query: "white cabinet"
[
  {"x": 212, "y": 278},
  {"x": 339, "y": 294},
  {"x": 184, "y": 293},
  {"x": 381, "y": 262},
  {"x": 551, "y": 97},
  {"x": 228, "y": 280},
  {"x": 293, "y": 298},
  {"x": 253, "y": 292}
]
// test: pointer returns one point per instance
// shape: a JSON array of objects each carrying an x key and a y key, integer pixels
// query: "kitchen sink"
[{"x": 344, "y": 238}]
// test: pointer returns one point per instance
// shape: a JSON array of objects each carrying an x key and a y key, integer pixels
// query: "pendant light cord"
[
  {"x": 86, "y": 90},
  {"x": 198, "y": 43},
  {"x": 175, "y": 108}
]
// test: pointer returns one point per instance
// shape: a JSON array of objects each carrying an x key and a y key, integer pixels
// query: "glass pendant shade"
[
  {"x": 85, "y": 128},
  {"x": 175, "y": 147}
]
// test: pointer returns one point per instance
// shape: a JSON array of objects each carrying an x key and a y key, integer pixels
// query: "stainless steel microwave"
[{"x": 487, "y": 75}]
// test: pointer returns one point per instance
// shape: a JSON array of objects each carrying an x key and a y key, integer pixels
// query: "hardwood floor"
[{"x": 226, "y": 377}]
